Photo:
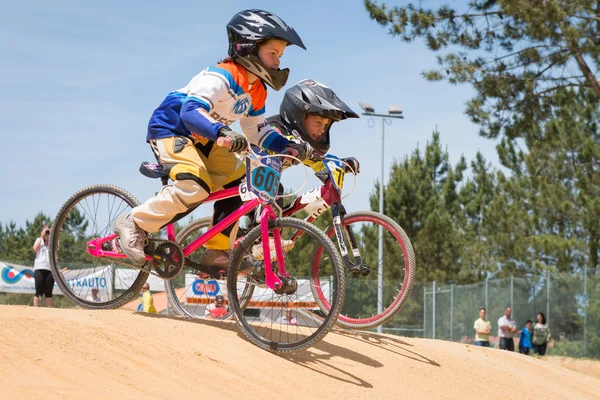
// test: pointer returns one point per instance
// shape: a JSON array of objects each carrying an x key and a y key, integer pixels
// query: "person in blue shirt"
[{"x": 525, "y": 338}]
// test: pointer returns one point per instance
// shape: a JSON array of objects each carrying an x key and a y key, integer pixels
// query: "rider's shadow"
[
  {"x": 386, "y": 342},
  {"x": 319, "y": 358}
]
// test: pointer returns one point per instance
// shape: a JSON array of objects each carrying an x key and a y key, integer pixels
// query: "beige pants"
[{"x": 195, "y": 174}]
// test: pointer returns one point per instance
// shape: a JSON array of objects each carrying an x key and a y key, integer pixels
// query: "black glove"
[
  {"x": 238, "y": 140},
  {"x": 298, "y": 150},
  {"x": 353, "y": 165}
]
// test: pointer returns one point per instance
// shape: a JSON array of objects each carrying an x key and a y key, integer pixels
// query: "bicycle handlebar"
[{"x": 224, "y": 142}]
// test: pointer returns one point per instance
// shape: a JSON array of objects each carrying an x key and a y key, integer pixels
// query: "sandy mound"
[
  {"x": 588, "y": 367},
  {"x": 74, "y": 354}
]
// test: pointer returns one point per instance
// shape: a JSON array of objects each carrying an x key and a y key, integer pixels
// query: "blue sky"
[{"x": 79, "y": 81}]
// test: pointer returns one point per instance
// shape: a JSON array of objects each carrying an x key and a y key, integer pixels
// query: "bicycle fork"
[
  {"x": 280, "y": 283},
  {"x": 357, "y": 267}
]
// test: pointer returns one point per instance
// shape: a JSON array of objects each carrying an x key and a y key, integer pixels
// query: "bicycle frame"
[
  {"x": 332, "y": 197},
  {"x": 94, "y": 247}
]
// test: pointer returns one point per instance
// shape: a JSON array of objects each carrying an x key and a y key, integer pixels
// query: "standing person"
[
  {"x": 147, "y": 301},
  {"x": 42, "y": 275},
  {"x": 217, "y": 309},
  {"x": 184, "y": 129},
  {"x": 541, "y": 334},
  {"x": 506, "y": 330},
  {"x": 288, "y": 318},
  {"x": 525, "y": 338},
  {"x": 95, "y": 296},
  {"x": 482, "y": 328}
]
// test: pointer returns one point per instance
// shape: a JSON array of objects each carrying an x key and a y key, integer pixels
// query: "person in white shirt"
[
  {"x": 288, "y": 319},
  {"x": 42, "y": 275},
  {"x": 95, "y": 296},
  {"x": 506, "y": 330}
]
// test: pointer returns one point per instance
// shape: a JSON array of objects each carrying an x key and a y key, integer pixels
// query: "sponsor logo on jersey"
[
  {"x": 241, "y": 106},
  {"x": 220, "y": 119}
]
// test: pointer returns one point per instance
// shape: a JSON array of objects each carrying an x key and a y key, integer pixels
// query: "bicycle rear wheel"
[
  {"x": 189, "y": 293},
  {"x": 288, "y": 322},
  {"x": 360, "y": 310},
  {"x": 87, "y": 215}
]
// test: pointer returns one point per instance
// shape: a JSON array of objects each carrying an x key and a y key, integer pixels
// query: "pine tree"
[{"x": 515, "y": 53}]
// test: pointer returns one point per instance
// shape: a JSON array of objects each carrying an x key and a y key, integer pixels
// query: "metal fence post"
[
  {"x": 548, "y": 297},
  {"x": 512, "y": 309},
  {"x": 424, "y": 308},
  {"x": 533, "y": 297},
  {"x": 451, "y": 307},
  {"x": 433, "y": 309},
  {"x": 585, "y": 305},
  {"x": 486, "y": 294}
]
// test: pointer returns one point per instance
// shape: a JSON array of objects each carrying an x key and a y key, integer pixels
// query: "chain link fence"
[{"x": 571, "y": 303}]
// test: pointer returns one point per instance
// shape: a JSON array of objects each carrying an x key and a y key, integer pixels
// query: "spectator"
[
  {"x": 217, "y": 310},
  {"x": 482, "y": 329},
  {"x": 288, "y": 319},
  {"x": 42, "y": 275},
  {"x": 506, "y": 331},
  {"x": 541, "y": 334},
  {"x": 147, "y": 302},
  {"x": 525, "y": 338},
  {"x": 95, "y": 296}
]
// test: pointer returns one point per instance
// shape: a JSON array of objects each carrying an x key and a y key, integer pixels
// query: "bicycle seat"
[{"x": 154, "y": 170}]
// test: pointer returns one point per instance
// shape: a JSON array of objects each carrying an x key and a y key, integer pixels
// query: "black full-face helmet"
[
  {"x": 249, "y": 27},
  {"x": 309, "y": 97}
]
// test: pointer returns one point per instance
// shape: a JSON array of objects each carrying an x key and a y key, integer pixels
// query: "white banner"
[
  {"x": 19, "y": 279},
  {"x": 82, "y": 281},
  {"x": 203, "y": 291},
  {"x": 126, "y": 276}
]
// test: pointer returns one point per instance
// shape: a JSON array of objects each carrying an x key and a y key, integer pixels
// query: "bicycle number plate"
[
  {"x": 263, "y": 176},
  {"x": 245, "y": 194},
  {"x": 336, "y": 169}
]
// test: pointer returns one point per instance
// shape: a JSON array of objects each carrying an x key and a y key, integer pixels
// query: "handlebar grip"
[{"x": 224, "y": 142}]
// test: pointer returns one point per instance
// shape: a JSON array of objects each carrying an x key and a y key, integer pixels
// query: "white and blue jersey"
[{"x": 216, "y": 97}]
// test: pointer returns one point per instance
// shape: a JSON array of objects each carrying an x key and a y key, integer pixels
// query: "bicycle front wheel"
[
  {"x": 374, "y": 299},
  {"x": 88, "y": 215},
  {"x": 289, "y": 321}
]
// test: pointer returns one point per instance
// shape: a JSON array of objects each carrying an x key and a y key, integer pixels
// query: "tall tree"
[
  {"x": 422, "y": 197},
  {"x": 478, "y": 219},
  {"x": 515, "y": 53},
  {"x": 556, "y": 181}
]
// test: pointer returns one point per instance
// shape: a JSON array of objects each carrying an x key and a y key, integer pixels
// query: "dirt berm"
[{"x": 78, "y": 354}]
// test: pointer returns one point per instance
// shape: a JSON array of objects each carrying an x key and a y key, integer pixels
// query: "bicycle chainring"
[{"x": 167, "y": 259}]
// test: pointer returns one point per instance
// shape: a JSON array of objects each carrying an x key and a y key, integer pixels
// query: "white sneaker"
[
  {"x": 131, "y": 239},
  {"x": 257, "y": 249}
]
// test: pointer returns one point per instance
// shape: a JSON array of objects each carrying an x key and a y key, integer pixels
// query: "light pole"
[{"x": 393, "y": 112}]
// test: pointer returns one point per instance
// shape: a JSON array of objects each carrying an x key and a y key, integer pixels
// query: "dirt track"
[{"x": 75, "y": 354}]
